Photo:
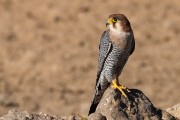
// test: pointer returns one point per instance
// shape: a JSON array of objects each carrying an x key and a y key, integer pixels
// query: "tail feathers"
[
  {"x": 92, "y": 108},
  {"x": 95, "y": 102},
  {"x": 98, "y": 95}
]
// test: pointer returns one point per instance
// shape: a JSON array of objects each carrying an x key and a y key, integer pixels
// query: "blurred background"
[{"x": 49, "y": 52}]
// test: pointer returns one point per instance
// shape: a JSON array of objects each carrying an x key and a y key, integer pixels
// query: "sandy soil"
[{"x": 49, "y": 50}]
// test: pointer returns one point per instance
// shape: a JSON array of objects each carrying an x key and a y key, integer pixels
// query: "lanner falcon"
[{"x": 116, "y": 45}]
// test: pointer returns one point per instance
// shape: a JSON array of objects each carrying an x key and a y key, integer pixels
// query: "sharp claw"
[
  {"x": 128, "y": 90},
  {"x": 123, "y": 87}
]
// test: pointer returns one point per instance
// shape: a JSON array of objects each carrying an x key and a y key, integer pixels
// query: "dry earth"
[{"x": 49, "y": 48}]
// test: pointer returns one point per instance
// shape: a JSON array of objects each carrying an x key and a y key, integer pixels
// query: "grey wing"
[{"x": 105, "y": 47}]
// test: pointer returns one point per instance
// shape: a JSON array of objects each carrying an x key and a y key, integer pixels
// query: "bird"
[{"x": 116, "y": 45}]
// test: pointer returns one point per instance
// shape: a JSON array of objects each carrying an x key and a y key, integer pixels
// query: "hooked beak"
[{"x": 109, "y": 22}]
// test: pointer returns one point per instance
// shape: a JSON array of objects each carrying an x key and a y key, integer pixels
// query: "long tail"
[
  {"x": 95, "y": 102},
  {"x": 93, "y": 108},
  {"x": 97, "y": 97}
]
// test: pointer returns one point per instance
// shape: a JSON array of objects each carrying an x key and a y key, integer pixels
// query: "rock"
[
  {"x": 16, "y": 115},
  {"x": 19, "y": 115},
  {"x": 175, "y": 110},
  {"x": 113, "y": 106}
]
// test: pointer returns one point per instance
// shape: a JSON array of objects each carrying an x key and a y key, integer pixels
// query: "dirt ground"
[{"x": 49, "y": 50}]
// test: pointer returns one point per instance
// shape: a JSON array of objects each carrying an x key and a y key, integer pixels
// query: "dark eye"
[{"x": 114, "y": 19}]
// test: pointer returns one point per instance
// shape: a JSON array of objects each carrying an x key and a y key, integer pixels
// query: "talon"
[
  {"x": 123, "y": 87},
  {"x": 128, "y": 90},
  {"x": 120, "y": 88}
]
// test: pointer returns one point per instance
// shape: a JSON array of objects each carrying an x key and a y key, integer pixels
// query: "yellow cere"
[{"x": 112, "y": 20}]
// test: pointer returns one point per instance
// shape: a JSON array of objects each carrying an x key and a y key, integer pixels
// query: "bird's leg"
[
  {"x": 117, "y": 81},
  {"x": 116, "y": 85}
]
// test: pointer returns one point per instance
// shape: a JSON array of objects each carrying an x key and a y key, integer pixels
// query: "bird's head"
[{"x": 118, "y": 23}]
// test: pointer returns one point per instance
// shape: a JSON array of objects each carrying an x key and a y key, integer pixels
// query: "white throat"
[{"x": 118, "y": 32}]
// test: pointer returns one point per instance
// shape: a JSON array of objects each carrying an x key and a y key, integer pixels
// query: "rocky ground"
[
  {"x": 49, "y": 50},
  {"x": 113, "y": 106}
]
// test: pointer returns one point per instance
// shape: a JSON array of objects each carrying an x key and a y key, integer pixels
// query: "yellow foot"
[
  {"x": 82, "y": 118},
  {"x": 120, "y": 88}
]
